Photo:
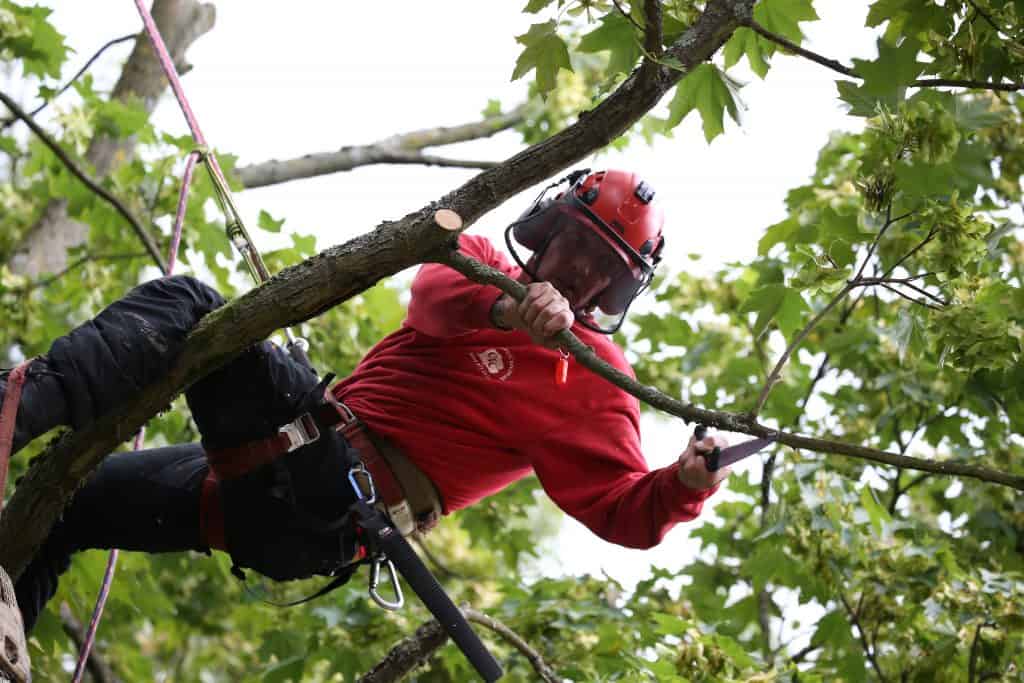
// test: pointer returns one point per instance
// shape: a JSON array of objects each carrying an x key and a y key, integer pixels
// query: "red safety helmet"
[{"x": 617, "y": 205}]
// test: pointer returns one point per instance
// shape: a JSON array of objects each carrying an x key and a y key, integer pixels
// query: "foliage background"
[{"x": 835, "y": 570}]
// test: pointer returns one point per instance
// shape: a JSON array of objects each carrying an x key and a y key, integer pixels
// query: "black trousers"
[{"x": 284, "y": 520}]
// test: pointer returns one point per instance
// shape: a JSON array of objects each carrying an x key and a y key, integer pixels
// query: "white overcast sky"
[{"x": 278, "y": 80}]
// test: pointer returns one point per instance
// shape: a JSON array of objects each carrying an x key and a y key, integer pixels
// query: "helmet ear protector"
[{"x": 616, "y": 205}]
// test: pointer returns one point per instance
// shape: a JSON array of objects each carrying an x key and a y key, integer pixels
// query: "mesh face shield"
[{"x": 568, "y": 226}]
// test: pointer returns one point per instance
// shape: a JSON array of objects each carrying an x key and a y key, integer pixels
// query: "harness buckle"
[{"x": 300, "y": 432}]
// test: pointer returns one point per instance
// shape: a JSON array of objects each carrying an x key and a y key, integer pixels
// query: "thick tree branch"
[
  {"x": 414, "y": 651},
  {"x": 63, "y": 89},
  {"x": 849, "y": 71},
  {"x": 76, "y": 171},
  {"x": 404, "y": 148},
  {"x": 339, "y": 273},
  {"x": 408, "y": 654}
]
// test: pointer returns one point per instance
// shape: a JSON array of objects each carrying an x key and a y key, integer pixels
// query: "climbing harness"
[{"x": 388, "y": 548}]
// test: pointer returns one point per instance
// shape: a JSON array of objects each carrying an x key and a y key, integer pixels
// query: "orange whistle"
[{"x": 562, "y": 369}]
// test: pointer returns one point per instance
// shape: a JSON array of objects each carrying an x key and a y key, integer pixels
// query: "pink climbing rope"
[
  {"x": 160, "y": 48},
  {"x": 165, "y": 61}
]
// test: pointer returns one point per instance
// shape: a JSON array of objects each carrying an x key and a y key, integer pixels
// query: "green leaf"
[
  {"x": 834, "y": 629},
  {"x": 780, "y": 232},
  {"x": 670, "y": 624},
  {"x": 784, "y": 16},
  {"x": 534, "y": 6},
  {"x": 895, "y": 68},
  {"x": 745, "y": 42},
  {"x": 703, "y": 89},
  {"x": 878, "y": 515},
  {"x": 545, "y": 52},
  {"x": 974, "y": 114},
  {"x": 617, "y": 36},
  {"x": 861, "y": 102},
  {"x": 26, "y": 34},
  {"x": 304, "y": 244},
  {"x": 267, "y": 222},
  {"x": 776, "y": 302}
]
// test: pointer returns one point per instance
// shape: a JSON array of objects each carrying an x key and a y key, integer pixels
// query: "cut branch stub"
[{"x": 448, "y": 219}]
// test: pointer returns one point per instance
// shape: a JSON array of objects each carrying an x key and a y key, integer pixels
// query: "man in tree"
[{"x": 469, "y": 396}]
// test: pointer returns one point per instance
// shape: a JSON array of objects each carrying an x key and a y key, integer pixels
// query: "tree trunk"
[{"x": 44, "y": 248}]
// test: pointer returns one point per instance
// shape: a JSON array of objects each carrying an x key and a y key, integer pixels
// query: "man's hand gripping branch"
[{"x": 542, "y": 313}]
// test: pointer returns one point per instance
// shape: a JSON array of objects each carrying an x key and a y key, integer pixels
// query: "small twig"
[
  {"x": 46, "y": 281},
  {"x": 988, "y": 18},
  {"x": 799, "y": 655},
  {"x": 652, "y": 35},
  {"x": 896, "y": 492},
  {"x": 855, "y": 619},
  {"x": 864, "y": 281},
  {"x": 931, "y": 235},
  {"x": 920, "y": 290},
  {"x": 147, "y": 241},
  {"x": 969, "y": 84},
  {"x": 919, "y": 479},
  {"x": 920, "y": 302},
  {"x": 972, "y": 662},
  {"x": 874, "y": 243},
  {"x": 848, "y": 71},
  {"x": 628, "y": 16},
  {"x": 536, "y": 660},
  {"x": 63, "y": 89},
  {"x": 773, "y": 377},
  {"x": 796, "y": 49}
]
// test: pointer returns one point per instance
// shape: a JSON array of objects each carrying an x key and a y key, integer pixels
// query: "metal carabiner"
[
  {"x": 352, "y": 479},
  {"x": 395, "y": 586}
]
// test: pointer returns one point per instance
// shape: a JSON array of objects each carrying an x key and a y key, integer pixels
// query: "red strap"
[
  {"x": 231, "y": 463},
  {"x": 211, "y": 513},
  {"x": 8, "y": 417}
]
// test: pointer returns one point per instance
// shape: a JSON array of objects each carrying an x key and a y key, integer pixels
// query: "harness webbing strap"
[
  {"x": 8, "y": 419},
  {"x": 235, "y": 461},
  {"x": 211, "y": 513}
]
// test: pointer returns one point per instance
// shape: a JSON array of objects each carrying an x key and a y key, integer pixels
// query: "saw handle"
[{"x": 710, "y": 457}]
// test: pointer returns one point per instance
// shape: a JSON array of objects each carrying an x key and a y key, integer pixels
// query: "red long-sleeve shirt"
[{"x": 477, "y": 408}]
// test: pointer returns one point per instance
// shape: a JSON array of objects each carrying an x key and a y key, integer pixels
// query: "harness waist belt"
[{"x": 404, "y": 492}]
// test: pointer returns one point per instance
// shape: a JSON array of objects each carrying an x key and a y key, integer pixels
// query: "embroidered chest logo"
[{"x": 494, "y": 363}]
